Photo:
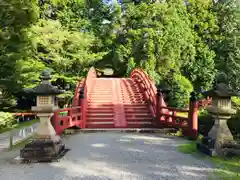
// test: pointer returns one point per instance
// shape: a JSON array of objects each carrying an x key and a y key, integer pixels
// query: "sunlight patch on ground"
[
  {"x": 192, "y": 168},
  {"x": 142, "y": 137},
  {"x": 194, "y": 171},
  {"x": 98, "y": 155},
  {"x": 92, "y": 168},
  {"x": 99, "y": 145},
  {"x": 135, "y": 150},
  {"x": 124, "y": 140}
]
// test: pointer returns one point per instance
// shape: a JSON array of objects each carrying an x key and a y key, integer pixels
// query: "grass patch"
[
  {"x": 19, "y": 125},
  {"x": 187, "y": 148},
  {"x": 225, "y": 168},
  {"x": 182, "y": 114}
]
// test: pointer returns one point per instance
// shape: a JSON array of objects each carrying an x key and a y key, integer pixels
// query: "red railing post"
[
  {"x": 70, "y": 115},
  {"x": 55, "y": 122},
  {"x": 193, "y": 117},
  {"x": 83, "y": 111},
  {"x": 158, "y": 104}
]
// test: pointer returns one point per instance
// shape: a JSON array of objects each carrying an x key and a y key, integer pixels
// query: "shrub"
[
  {"x": 236, "y": 102},
  {"x": 6, "y": 120},
  {"x": 206, "y": 121},
  {"x": 234, "y": 125},
  {"x": 181, "y": 89}
]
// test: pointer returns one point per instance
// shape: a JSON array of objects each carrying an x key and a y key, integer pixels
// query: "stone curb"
[{"x": 124, "y": 130}]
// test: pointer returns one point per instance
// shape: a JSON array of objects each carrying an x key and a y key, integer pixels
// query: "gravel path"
[{"x": 113, "y": 156}]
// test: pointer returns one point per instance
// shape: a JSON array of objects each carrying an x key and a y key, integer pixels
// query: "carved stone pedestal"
[
  {"x": 42, "y": 150},
  {"x": 207, "y": 146},
  {"x": 219, "y": 140}
]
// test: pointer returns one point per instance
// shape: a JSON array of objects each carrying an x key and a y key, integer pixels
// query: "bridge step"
[
  {"x": 137, "y": 130},
  {"x": 137, "y": 112},
  {"x": 100, "y": 111},
  {"x": 113, "y": 98}
]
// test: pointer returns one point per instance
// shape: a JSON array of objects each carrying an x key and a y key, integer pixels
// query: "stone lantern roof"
[
  {"x": 45, "y": 87},
  {"x": 221, "y": 90}
]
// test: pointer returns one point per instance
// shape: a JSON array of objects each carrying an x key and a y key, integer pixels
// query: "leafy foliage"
[
  {"x": 60, "y": 49},
  {"x": 227, "y": 47},
  {"x": 196, "y": 38},
  {"x": 181, "y": 88},
  {"x": 6, "y": 120},
  {"x": 15, "y": 16}
]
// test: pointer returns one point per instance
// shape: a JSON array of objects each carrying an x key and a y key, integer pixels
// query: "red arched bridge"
[{"x": 123, "y": 103}]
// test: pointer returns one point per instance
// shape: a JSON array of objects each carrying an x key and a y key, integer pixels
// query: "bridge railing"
[
  {"x": 186, "y": 119},
  {"x": 148, "y": 88},
  {"x": 87, "y": 88},
  {"x": 76, "y": 115},
  {"x": 76, "y": 97},
  {"x": 67, "y": 117},
  {"x": 167, "y": 116}
]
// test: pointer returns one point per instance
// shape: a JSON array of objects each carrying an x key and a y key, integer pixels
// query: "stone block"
[{"x": 42, "y": 150}]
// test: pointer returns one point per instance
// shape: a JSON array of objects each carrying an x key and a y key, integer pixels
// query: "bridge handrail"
[
  {"x": 167, "y": 116},
  {"x": 72, "y": 117},
  {"x": 88, "y": 85},
  {"x": 80, "y": 85},
  {"x": 150, "y": 89},
  {"x": 76, "y": 115}
]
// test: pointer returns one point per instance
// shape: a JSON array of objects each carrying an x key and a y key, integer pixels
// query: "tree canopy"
[{"x": 198, "y": 39}]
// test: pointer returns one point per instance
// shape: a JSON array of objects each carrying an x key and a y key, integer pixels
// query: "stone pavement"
[
  {"x": 113, "y": 156},
  {"x": 17, "y": 134}
]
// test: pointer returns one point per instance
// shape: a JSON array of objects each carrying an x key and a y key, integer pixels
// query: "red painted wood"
[
  {"x": 76, "y": 114},
  {"x": 136, "y": 109},
  {"x": 147, "y": 87},
  {"x": 79, "y": 85},
  {"x": 123, "y": 102},
  {"x": 120, "y": 120},
  {"x": 167, "y": 116},
  {"x": 193, "y": 119},
  {"x": 100, "y": 108},
  {"x": 24, "y": 114}
]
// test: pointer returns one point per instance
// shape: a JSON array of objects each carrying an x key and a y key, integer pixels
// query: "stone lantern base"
[
  {"x": 212, "y": 147},
  {"x": 219, "y": 140},
  {"x": 42, "y": 150},
  {"x": 46, "y": 146}
]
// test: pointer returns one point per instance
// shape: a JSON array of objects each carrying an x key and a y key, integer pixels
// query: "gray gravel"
[{"x": 113, "y": 156}]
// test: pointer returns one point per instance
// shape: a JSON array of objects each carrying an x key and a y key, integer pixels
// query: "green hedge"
[
  {"x": 6, "y": 120},
  {"x": 205, "y": 123},
  {"x": 181, "y": 88}
]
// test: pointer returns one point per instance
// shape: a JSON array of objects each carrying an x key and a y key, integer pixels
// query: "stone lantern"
[
  {"x": 219, "y": 137},
  {"x": 46, "y": 145}
]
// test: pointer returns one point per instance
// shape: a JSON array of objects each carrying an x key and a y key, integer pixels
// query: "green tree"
[
  {"x": 154, "y": 35},
  {"x": 227, "y": 47},
  {"x": 64, "y": 51},
  {"x": 201, "y": 69},
  {"x": 15, "y": 16}
]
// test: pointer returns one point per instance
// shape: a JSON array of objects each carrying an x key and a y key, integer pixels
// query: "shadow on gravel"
[
  {"x": 115, "y": 156},
  {"x": 134, "y": 156}
]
